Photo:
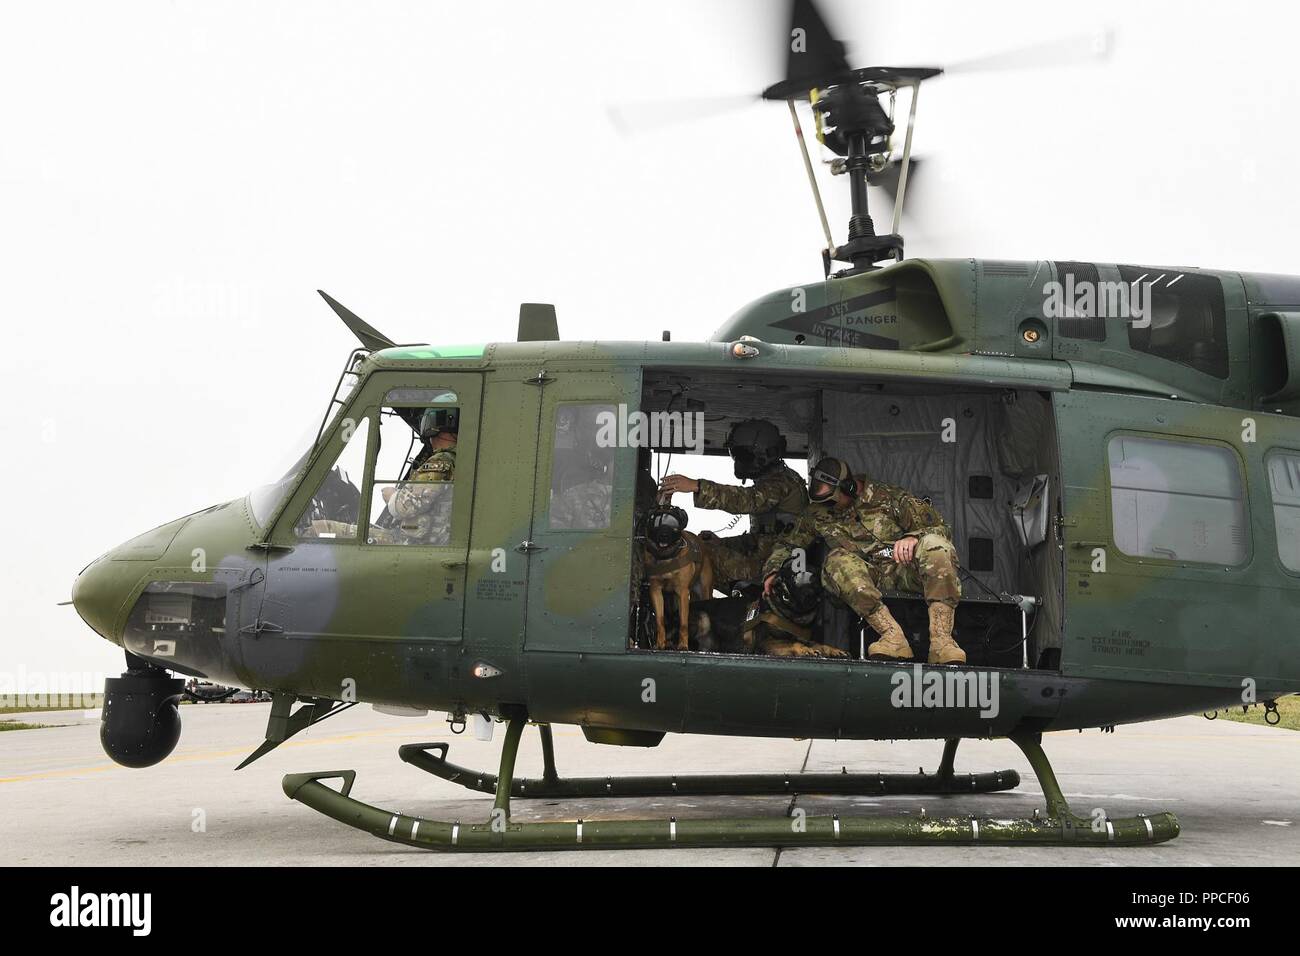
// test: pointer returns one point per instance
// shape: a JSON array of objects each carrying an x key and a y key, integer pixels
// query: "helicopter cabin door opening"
[
  {"x": 385, "y": 509},
  {"x": 985, "y": 458}
]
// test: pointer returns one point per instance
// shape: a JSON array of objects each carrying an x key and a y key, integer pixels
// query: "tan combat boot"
[
  {"x": 892, "y": 643},
  {"x": 943, "y": 649}
]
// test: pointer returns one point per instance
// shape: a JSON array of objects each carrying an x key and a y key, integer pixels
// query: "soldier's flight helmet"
[
  {"x": 754, "y": 444},
  {"x": 435, "y": 420},
  {"x": 828, "y": 476}
]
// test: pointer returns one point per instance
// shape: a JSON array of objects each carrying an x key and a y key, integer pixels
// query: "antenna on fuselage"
[
  {"x": 537, "y": 323},
  {"x": 368, "y": 335}
]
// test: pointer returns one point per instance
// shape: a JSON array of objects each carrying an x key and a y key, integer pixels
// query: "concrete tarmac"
[{"x": 1235, "y": 789}]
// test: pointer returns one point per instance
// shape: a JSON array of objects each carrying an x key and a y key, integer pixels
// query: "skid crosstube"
[{"x": 1059, "y": 827}]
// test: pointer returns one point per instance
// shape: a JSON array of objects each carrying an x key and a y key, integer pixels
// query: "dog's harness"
[
  {"x": 687, "y": 552},
  {"x": 799, "y": 632}
]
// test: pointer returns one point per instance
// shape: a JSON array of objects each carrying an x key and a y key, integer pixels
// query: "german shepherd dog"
[
  {"x": 673, "y": 561},
  {"x": 779, "y": 625}
]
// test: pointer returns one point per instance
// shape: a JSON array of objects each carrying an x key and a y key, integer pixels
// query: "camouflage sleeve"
[
  {"x": 414, "y": 498},
  {"x": 801, "y": 535},
  {"x": 423, "y": 491},
  {"x": 918, "y": 517},
  {"x": 763, "y": 496}
]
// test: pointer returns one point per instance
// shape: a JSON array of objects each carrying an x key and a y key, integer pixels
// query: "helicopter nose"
[
  {"x": 101, "y": 589},
  {"x": 97, "y": 594}
]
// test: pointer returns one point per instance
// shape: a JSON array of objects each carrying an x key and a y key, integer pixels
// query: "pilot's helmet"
[
  {"x": 754, "y": 444},
  {"x": 828, "y": 476},
  {"x": 435, "y": 420}
]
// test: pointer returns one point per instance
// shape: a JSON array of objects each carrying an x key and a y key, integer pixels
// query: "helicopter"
[{"x": 1115, "y": 446}]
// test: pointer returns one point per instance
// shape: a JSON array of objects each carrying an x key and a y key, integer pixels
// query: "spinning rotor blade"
[
  {"x": 648, "y": 115},
  {"x": 813, "y": 54},
  {"x": 1081, "y": 48}
]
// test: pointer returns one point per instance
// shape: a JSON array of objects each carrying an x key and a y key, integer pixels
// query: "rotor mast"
[{"x": 851, "y": 123}]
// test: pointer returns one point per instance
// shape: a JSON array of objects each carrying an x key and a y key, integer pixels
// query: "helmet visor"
[
  {"x": 744, "y": 462},
  {"x": 435, "y": 420},
  {"x": 822, "y": 485}
]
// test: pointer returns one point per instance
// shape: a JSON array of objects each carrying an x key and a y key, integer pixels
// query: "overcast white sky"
[{"x": 177, "y": 178}]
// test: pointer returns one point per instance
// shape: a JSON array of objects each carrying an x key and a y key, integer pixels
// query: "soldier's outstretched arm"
[{"x": 763, "y": 496}]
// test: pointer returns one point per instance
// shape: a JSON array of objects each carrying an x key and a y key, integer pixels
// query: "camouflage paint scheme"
[{"x": 408, "y": 624}]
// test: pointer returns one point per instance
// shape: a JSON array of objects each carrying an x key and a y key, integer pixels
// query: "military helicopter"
[{"x": 1115, "y": 446}]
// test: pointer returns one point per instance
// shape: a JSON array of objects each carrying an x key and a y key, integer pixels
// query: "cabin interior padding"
[
  {"x": 966, "y": 452},
  {"x": 897, "y": 434},
  {"x": 1027, "y": 445}
]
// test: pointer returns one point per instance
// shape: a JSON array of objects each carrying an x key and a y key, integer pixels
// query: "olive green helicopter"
[{"x": 1114, "y": 448}]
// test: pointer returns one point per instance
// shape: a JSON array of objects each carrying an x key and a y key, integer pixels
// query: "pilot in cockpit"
[
  {"x": 421, "y": 505},
  {"x": 417, "y": 510}
]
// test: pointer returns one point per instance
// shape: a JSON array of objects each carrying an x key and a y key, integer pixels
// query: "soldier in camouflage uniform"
[
  {"x": 582, "y": 483},
  {"x": 422, "y": 503},
  {"x": 583, "y": 506},
  {"x": 858, "y": 519},
  {"x": 420, "y": 506},
  {"x": 775, "y": 500}
]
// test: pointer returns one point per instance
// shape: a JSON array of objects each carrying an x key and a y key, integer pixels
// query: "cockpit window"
[
  {"x": 415, "y": 469},
  {"x": 334, "y": 508},
  {"x": 263, "y": 501},
  {"x": 420, "y": 396}
]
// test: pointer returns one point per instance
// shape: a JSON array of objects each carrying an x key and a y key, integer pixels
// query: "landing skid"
[
  {"x": 709, "y": 785},
  {"x": 1059, "y": 827}
]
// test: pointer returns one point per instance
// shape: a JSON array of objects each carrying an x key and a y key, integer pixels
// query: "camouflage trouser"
[
  {"x": 738, "y": 558},
  {"x": 857, "y": 581}
]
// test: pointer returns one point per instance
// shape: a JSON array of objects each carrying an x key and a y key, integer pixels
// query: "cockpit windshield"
[{"x": 264, "y": 501}]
